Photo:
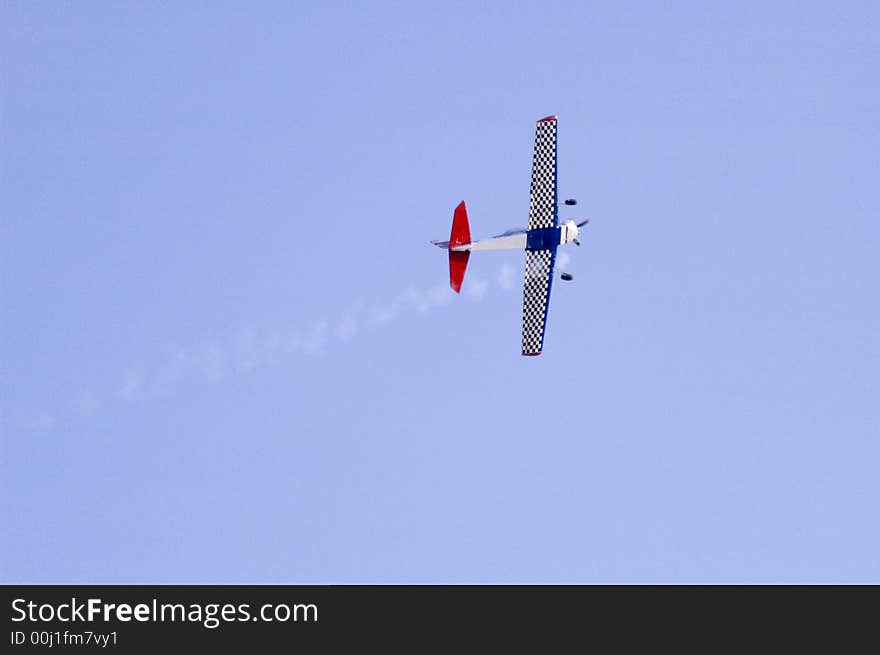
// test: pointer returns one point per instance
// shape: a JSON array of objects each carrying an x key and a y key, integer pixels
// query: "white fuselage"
[
  {"x": 517, "y": 240},
  {"x": 508, "y": 242}
]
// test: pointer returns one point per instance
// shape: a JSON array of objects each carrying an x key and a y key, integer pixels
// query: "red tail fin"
[
  {"x": 461, "y": 235},
  {"x": 461, "y": 231},
  {"x": 457, "y": 266}
]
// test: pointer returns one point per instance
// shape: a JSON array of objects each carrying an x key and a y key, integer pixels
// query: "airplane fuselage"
[{"x": 538, "y": 239}]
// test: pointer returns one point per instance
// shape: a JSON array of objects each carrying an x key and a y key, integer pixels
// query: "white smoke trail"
[
  {"x": 563, "y": 259},
  {"x": 250, "y": 349},
  {"x": 506, "y": 277},
  {"x": 477, "y": 289}
]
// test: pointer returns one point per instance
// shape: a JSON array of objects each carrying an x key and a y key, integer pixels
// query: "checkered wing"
[
  {"x": 536, "y": 296},
  {"x": 542, "y": 207}
]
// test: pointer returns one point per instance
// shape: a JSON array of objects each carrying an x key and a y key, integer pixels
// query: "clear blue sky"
[{"x": 229, "y": 354}]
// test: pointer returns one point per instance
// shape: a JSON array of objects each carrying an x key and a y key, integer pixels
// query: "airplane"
[{"x": 539, "y": 240}]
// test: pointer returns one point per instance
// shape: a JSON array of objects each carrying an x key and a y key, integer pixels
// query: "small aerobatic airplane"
[{"x": 539, "y": 240}]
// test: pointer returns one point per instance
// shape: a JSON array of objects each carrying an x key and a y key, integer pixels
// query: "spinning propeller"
[{"x": 581, "y": 224}]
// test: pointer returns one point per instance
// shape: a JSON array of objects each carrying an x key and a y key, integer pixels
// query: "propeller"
[{"x": 581, "y": 224}]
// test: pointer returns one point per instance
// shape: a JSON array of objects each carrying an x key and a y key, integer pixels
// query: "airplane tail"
[
  {"x": 461, "y": 235},
  {"x": 457, "y": 266}
]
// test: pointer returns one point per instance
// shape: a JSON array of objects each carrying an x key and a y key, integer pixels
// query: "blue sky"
[{"x": 229, "y": 354}]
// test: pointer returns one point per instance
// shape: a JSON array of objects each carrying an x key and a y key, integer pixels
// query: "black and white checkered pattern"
[
  {"x": 535, "y": 295},
  {"x": 542, "y": 207}
]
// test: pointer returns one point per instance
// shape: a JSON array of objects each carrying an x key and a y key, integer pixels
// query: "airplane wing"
[
  {"x": 542, "y": 205},
  {"x": 536, "y": 298},
  {"x": 543, "y": 214}
]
